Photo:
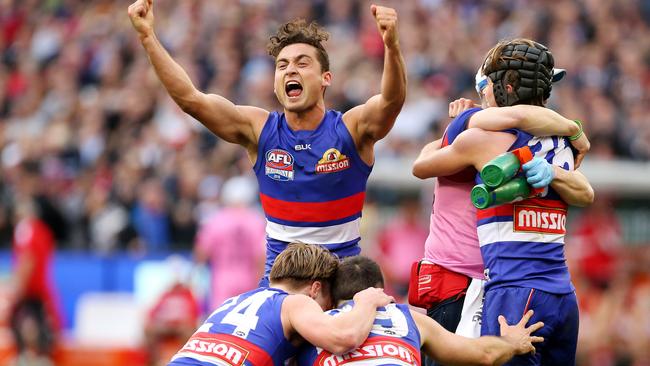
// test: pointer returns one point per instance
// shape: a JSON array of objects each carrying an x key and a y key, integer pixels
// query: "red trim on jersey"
[
  {"x": 313, "y": 211},
  {"x": 225, "y": 348},
  {"x": 543, "y": 203},
  {"x": 530, "y": 297},
  {"x": 508, "y": 209},
  {"x": 503, "y": 210},
  {"x": 374, "y": 347},
  {"x": 445, "y": 140}
]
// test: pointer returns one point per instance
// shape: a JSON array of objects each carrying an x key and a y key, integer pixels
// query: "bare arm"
[
  {"x": 573, "y": 187},
  {"x": 472, "y": 148},
  {"x": 538, "y": 121},
  {"x": 373, "y": 120},
  {"x": 337, "y": 334},
  {"x": 236, "y": 124},
  {"x": 451, "y": 349}
]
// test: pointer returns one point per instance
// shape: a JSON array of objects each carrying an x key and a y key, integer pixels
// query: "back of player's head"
[
  {"x": 298, "y": 31},
  {"x": 300, "y": 263},
  {"x": 355, "y": 274},
  {"x": 524, "y": 64}
]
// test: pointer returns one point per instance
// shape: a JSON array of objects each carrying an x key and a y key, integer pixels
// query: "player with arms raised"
[{"x": 311, "y": 163}]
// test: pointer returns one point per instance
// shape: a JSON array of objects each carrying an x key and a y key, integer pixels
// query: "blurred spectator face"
[
  {"x": 299, "y": 79},
  {"x": 153, "y": 196}
]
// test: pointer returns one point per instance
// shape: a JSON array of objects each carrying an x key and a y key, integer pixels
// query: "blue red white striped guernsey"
[
  {"x": 312, "y": 183},
  {"x": 522, "y": 243},
  {"x": 245, "y": 330},
  {"x": 393, "y": 340}
]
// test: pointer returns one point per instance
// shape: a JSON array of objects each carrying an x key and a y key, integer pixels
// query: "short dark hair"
[
  {"x": 300, "y": 263},
  {"x": 355, "y": 274},
  {"x": 298, "y": 31}
]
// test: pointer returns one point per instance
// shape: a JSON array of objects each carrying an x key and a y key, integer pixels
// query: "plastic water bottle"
[
  {"x": 483, "y": 196},
  {"x": 500, "y": 169}
]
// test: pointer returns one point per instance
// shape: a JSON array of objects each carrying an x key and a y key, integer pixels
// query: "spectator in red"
[
  {"x": 35, "y": 320},
  {"x": 597, "y": 240},
  {"x": 172, "y": 319}
]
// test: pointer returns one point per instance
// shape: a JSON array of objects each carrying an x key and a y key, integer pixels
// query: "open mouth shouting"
[{"x": 293, "y": 89}]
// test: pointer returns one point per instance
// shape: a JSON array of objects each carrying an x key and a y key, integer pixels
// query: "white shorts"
[{"x": 470, "y": 318}]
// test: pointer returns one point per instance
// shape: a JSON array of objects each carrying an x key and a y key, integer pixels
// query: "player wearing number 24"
[{"x": 267, "y": 325}]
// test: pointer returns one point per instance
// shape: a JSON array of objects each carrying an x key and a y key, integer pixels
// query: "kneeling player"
[
  {"x": 398, "y": 333},
  {"x": 265, "y": 326}
]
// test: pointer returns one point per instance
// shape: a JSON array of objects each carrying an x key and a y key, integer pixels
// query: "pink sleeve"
[
  {"x": 259, "y": 233},
  {"x": 262, "y": 234},
  {"x": 206, "y": 236}
]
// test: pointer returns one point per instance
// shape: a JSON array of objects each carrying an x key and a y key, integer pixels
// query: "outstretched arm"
[
  {"x": 472, "y": 148},
  {"x": 373, "y": 120},
  {"x": 452, "y": 349},
  {"x": 336, "y": 334},
  {"x": 232, "y": 123},
  {"x": 536, "y": 120}
]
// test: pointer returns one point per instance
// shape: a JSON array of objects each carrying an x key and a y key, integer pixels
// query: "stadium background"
[{"x": 128, "y": 178}]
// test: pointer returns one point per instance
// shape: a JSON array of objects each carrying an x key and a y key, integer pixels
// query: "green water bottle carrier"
[{"x": 500, "y": 181}]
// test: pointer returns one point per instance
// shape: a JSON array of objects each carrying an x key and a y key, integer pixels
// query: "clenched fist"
[
  {"x": 141, "y": 15},
  {"x": 386, "y": 19}
]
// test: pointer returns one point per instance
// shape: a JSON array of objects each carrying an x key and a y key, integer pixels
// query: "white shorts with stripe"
[{"x": 470, "y": 318}]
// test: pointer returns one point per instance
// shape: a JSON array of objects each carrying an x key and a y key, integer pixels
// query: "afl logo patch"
[
  {"x": 279, "y": 165},
  {"x": 332, "y": 161}
]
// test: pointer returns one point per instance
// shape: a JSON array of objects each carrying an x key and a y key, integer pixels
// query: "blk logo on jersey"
[
  {"x": 208, "y": 348},
  {"x": 279, "y": 165},
  {"x": 332, "y": 161},
  {"x": 538, "y": 219}
]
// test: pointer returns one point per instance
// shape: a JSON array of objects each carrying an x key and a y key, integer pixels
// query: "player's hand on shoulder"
[
  {"x": 519, "y": 335},
  {"x": 582, "y": 146},
  {"x": 460, "y": 105},
  {"x": 386, "y": 19},
  {"x": 374, "y": 296}
]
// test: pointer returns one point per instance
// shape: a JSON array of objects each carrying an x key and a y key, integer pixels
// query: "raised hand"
[
  {"x": 386, "y": 19},
  {"x": 519, "y": 335},
  {"x": 372, "y": 295},
  {"x": 141, "y": 15}
]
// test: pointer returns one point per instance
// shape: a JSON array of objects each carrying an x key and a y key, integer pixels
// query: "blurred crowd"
[
  {"x": 90, "y": 135},
  {"x": 83, "y": 116}
]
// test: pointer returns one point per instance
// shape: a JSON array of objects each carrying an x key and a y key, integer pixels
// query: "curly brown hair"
[{"x": 298, "y": 31}]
